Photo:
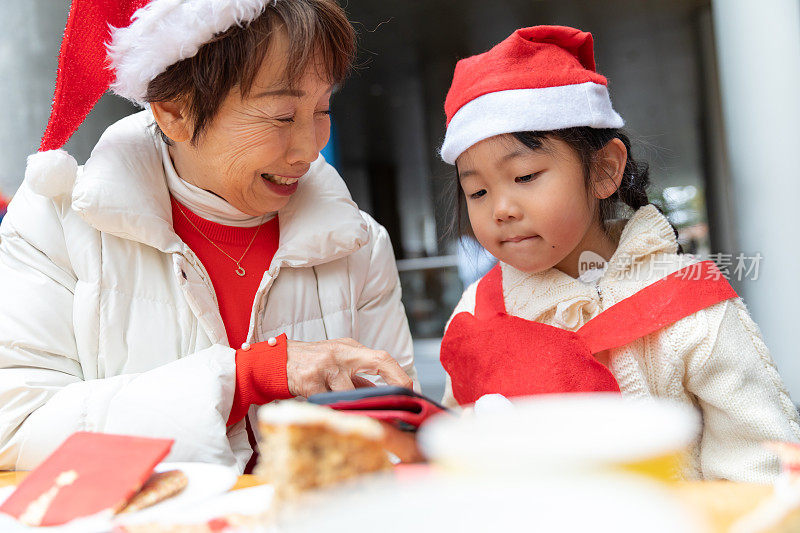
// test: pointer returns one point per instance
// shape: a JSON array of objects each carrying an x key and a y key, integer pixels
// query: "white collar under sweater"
[
  {"x": 203, "y": 203},
  {"x": 554, "y": 297}
]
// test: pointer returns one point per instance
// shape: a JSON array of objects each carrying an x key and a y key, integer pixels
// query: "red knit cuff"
[{"x": 260, "y": 377}]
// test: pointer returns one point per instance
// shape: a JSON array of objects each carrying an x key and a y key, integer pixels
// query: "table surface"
[
  {"x": 723, "y": 502},
  {"x": 13, "y": 478}
]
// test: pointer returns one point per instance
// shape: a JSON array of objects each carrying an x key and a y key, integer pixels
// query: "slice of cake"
[{"x": 305, "y": 446}]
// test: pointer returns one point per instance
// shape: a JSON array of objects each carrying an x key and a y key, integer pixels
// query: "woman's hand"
[{"x": 332, "y": 365}]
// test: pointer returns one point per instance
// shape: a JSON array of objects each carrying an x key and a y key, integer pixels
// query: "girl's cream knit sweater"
[{"x": 715, "y": 360}]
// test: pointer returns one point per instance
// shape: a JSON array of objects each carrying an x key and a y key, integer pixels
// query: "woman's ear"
[
  {"x": 609, "y": 168},
  {"x": 172, "y": 119}
]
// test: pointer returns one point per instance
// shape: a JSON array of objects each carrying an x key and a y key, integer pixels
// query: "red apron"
[{"x": 494, "y": 352}]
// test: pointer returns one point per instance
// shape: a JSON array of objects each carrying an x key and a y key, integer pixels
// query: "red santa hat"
[
  {"x": 121, "y": 45},
  {"x": 125, "y": 44},
  {"x": 541, "y": 78}
]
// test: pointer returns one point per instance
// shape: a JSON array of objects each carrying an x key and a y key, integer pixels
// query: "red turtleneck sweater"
[{"x": 261, "y": 369}]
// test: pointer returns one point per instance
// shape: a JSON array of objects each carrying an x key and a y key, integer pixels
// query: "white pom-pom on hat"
[{"x": 51, "y": 173}]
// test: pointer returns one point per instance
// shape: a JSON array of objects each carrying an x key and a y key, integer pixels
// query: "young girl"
[{"x": 543, "y": 166}]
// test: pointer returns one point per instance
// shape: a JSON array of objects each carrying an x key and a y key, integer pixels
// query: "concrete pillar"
[
  {"x": 30, "y": 37},
  {"x": 758, "y": 45}
]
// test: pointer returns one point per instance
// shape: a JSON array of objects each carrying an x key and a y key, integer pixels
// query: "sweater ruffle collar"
[{"x": 575, "y": 302}]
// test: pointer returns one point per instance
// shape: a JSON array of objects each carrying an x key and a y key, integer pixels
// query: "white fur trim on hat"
[
  {"x": 545, "y": 109},
  {"x": 167, "y": 31},
  {"x": 51, "y": 173}
]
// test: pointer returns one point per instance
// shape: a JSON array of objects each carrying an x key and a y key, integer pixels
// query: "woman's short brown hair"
[{"x": 315, "y": 29}]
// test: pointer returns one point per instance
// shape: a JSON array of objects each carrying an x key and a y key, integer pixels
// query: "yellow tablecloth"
[
  {"x": 13, "y": 478},
  {"x": 722, "y": 502}
]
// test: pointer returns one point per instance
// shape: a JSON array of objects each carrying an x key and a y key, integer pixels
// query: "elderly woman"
[{"x": 207, "y": 222}]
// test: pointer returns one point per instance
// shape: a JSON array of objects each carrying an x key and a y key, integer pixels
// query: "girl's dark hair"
[{"x": 586, "y": 142}]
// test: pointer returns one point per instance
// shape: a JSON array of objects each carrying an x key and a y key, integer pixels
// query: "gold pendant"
[{"x": 240, "y": 271}]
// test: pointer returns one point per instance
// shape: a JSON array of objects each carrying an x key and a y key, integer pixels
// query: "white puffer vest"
[{"x": 109, "y": 322}]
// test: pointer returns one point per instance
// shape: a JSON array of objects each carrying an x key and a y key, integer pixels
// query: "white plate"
[
  {"x": 249, "y": 501},
  {"x": 464, "y": 504},
  {"x": 205, "y": 482}
]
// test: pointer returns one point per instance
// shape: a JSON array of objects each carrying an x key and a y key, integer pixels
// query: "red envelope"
[{"x": 88, "y": 473}]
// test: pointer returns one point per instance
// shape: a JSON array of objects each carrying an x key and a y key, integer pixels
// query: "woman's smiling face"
[
  {"x": 258, "y": 145},
  {"x": 528, "y": 208}
]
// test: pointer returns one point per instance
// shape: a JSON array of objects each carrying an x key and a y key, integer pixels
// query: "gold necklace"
[{"x": 240, "y": 271}]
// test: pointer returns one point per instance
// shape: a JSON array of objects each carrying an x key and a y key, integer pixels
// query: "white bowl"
[{"x": 556, "y": 433}]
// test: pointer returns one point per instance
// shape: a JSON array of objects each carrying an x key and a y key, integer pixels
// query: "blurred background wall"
[
  {"x": 30, "y": 36},
  {"x": 710, "y": 144}
]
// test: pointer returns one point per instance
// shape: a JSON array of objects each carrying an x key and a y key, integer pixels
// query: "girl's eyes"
[
  {"x": 478, "y": 194},
  {"x": 521, "y": 179},
  {"x": 526, "y": 178}
]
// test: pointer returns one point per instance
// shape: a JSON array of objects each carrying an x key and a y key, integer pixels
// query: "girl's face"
[{"x": 529, "y": 208}]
